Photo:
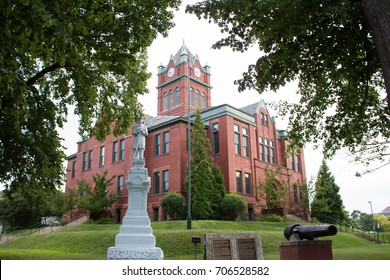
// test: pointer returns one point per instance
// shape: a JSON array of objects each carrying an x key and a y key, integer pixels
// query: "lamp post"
[
  {"x": 189, "y": 219},
  {"x": 372, "y": 214}
]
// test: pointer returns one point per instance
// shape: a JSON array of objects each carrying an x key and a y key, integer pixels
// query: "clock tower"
[{"x": 183, "y": 82}]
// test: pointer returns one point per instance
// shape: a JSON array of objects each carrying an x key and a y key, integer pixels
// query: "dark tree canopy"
[
  {"x": 89, "y": 54},
  {"x": 329, "y": 46}
]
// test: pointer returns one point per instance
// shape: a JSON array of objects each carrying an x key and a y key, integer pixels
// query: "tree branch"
[{"x": 42, "y": 73}]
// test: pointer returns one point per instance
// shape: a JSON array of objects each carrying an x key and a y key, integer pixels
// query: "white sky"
[{"x": 227, "y": 66}]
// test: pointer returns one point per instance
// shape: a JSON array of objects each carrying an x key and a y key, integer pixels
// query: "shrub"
[
  {"x": 175, "y": 205},
  {"x": 232, "y": 205},
  {"x": 271, "y": 218},
  {"x": 100, "y": 221}
]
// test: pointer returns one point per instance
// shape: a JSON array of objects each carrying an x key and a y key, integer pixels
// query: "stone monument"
[{"x": 135, "y": 240}]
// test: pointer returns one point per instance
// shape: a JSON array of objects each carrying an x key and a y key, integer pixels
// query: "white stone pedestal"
[{"x": 135, "y": 240}]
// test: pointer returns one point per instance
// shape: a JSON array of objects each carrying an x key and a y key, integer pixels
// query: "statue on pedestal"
[
  {"x": 140, "y": 131},
  {"x": 135, "y": 240}
]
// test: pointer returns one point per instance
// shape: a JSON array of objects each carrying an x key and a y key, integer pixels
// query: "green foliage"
[
  {"x": 273, "y": 188},
  {"x": 207, "y": 183},
  {"x": 174, "y": 204},
  {"x": 271, "y": 218},
  {"x": 54, "y": 54},
  {"x": 96, "y": 200},
  {"x": 232, "y": 205},
  {"x": 307, "y": 193},
  {"x": 327, "y": 201},
  {"x": 18, "y": 209},
  {"x": 383, "y": 222},
  {"x": 101, "y": 221},
  {"x": 329, "y": 47}
]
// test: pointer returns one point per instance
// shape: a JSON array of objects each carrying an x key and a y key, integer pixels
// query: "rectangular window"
[
  {"x": 114, "y": 151},
  {"x": 237, "y": 144},
  {"x": 73, "y": 169},
  {"x": 122, "y": 149},
  {"x": 157, "y": 145},
  {"x": 166, "y": 142},
  {"x": 119, "y": 185},
  {"x": 215, "y": 138},
  {"x": 239, "y": 181},
  {"x": 266, "y": 119},
  {"x": 165, "y": 102},
  {"x": 272, "y": 145},
  {"x": 245, "y": 142},
  {"x": 197, "y": 98},
  {"x": 171, "y": 100},
  {"x": 248, "y": 188},
  {"x": 262, "y": 118},
  {"x": 165, "y": 181},
  {"x": 156, "y": 182},
  {"x": 262, "y": 152},
  {"x": 101, "y": 156},
  {"x": 267, "y": 154},
  {"x": 296, "y": 194},
  {"x": 237, "y": 140},
  {"x": 267, "y": 150},
  {"x": 293, "y": 162},
  {"x": 299, "y": 167},
  {"x": 84, "y": 165},
  {"x": 90, "y": 159},
  {"x": 177, "y": 96}
]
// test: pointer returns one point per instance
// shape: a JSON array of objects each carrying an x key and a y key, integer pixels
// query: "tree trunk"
[{"x": 377, "y": 13}]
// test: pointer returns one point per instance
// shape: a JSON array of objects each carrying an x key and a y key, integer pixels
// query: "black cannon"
[{"x": 299, "y": 232}]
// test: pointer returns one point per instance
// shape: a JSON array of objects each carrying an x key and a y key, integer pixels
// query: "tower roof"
[{"x": 183, "y": 55}]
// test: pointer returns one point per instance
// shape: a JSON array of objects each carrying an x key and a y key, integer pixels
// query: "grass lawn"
[{"x": 90, "y": 241}]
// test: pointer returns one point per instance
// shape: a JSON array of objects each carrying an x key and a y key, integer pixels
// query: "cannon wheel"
[{"x": 288, "y": 231}]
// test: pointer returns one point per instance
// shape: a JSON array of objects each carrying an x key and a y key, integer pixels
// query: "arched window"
[
  {"x": 171, "y": 99},
  {"x": 177, "y": 96},
  {"x": 204, "y": 105},
  {"x": 197, "y": 98},
  {"x": 165, "y": 101},
  {"x": 191, "y": 96}
]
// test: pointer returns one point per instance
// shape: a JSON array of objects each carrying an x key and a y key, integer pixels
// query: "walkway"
[{"x": 46, "y": 230}]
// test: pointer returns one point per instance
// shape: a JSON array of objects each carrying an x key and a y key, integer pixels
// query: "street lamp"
[
  {"x": 189, "y": 218},
  {"x": 372, "y": 214}
]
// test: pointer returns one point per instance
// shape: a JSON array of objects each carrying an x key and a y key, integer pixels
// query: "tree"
[
  {"x": 18, "y": 209},
  {"x": 207, "y": 184},
  {"x": 232, "y": 205},
  {"x": 339, "y": 52},
  {"x": 97, "y": 199},
  {"x": 174, "y": 204},
  {"x": 56, "y": 54},
  {"x": 269, "y": 191},
  {"x": 327, "y": 203},
  {"x": 383, "y": 222},
  {"x": 307, "y": 193}
]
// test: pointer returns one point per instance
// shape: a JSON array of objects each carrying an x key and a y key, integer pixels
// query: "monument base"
[
  {"x": 306, "y": 250},
  {"x": 115, "y": 253},
  {"x": 135, "y": 240}
]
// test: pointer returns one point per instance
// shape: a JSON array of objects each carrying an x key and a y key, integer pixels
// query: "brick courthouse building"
[{"x": 244, "y": 142}]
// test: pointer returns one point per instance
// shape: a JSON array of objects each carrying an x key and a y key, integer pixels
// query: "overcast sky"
[{"x": 227, "y": 66}]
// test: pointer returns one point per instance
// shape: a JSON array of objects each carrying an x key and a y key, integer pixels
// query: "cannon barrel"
[{"x": 309, "y": 232}]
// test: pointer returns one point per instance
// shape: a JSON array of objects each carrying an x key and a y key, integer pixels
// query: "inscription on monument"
[
  {"x": 233, "y": 246},
  {"x": 246, "y": 249},
  {"x": 221, "y": 249}
]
